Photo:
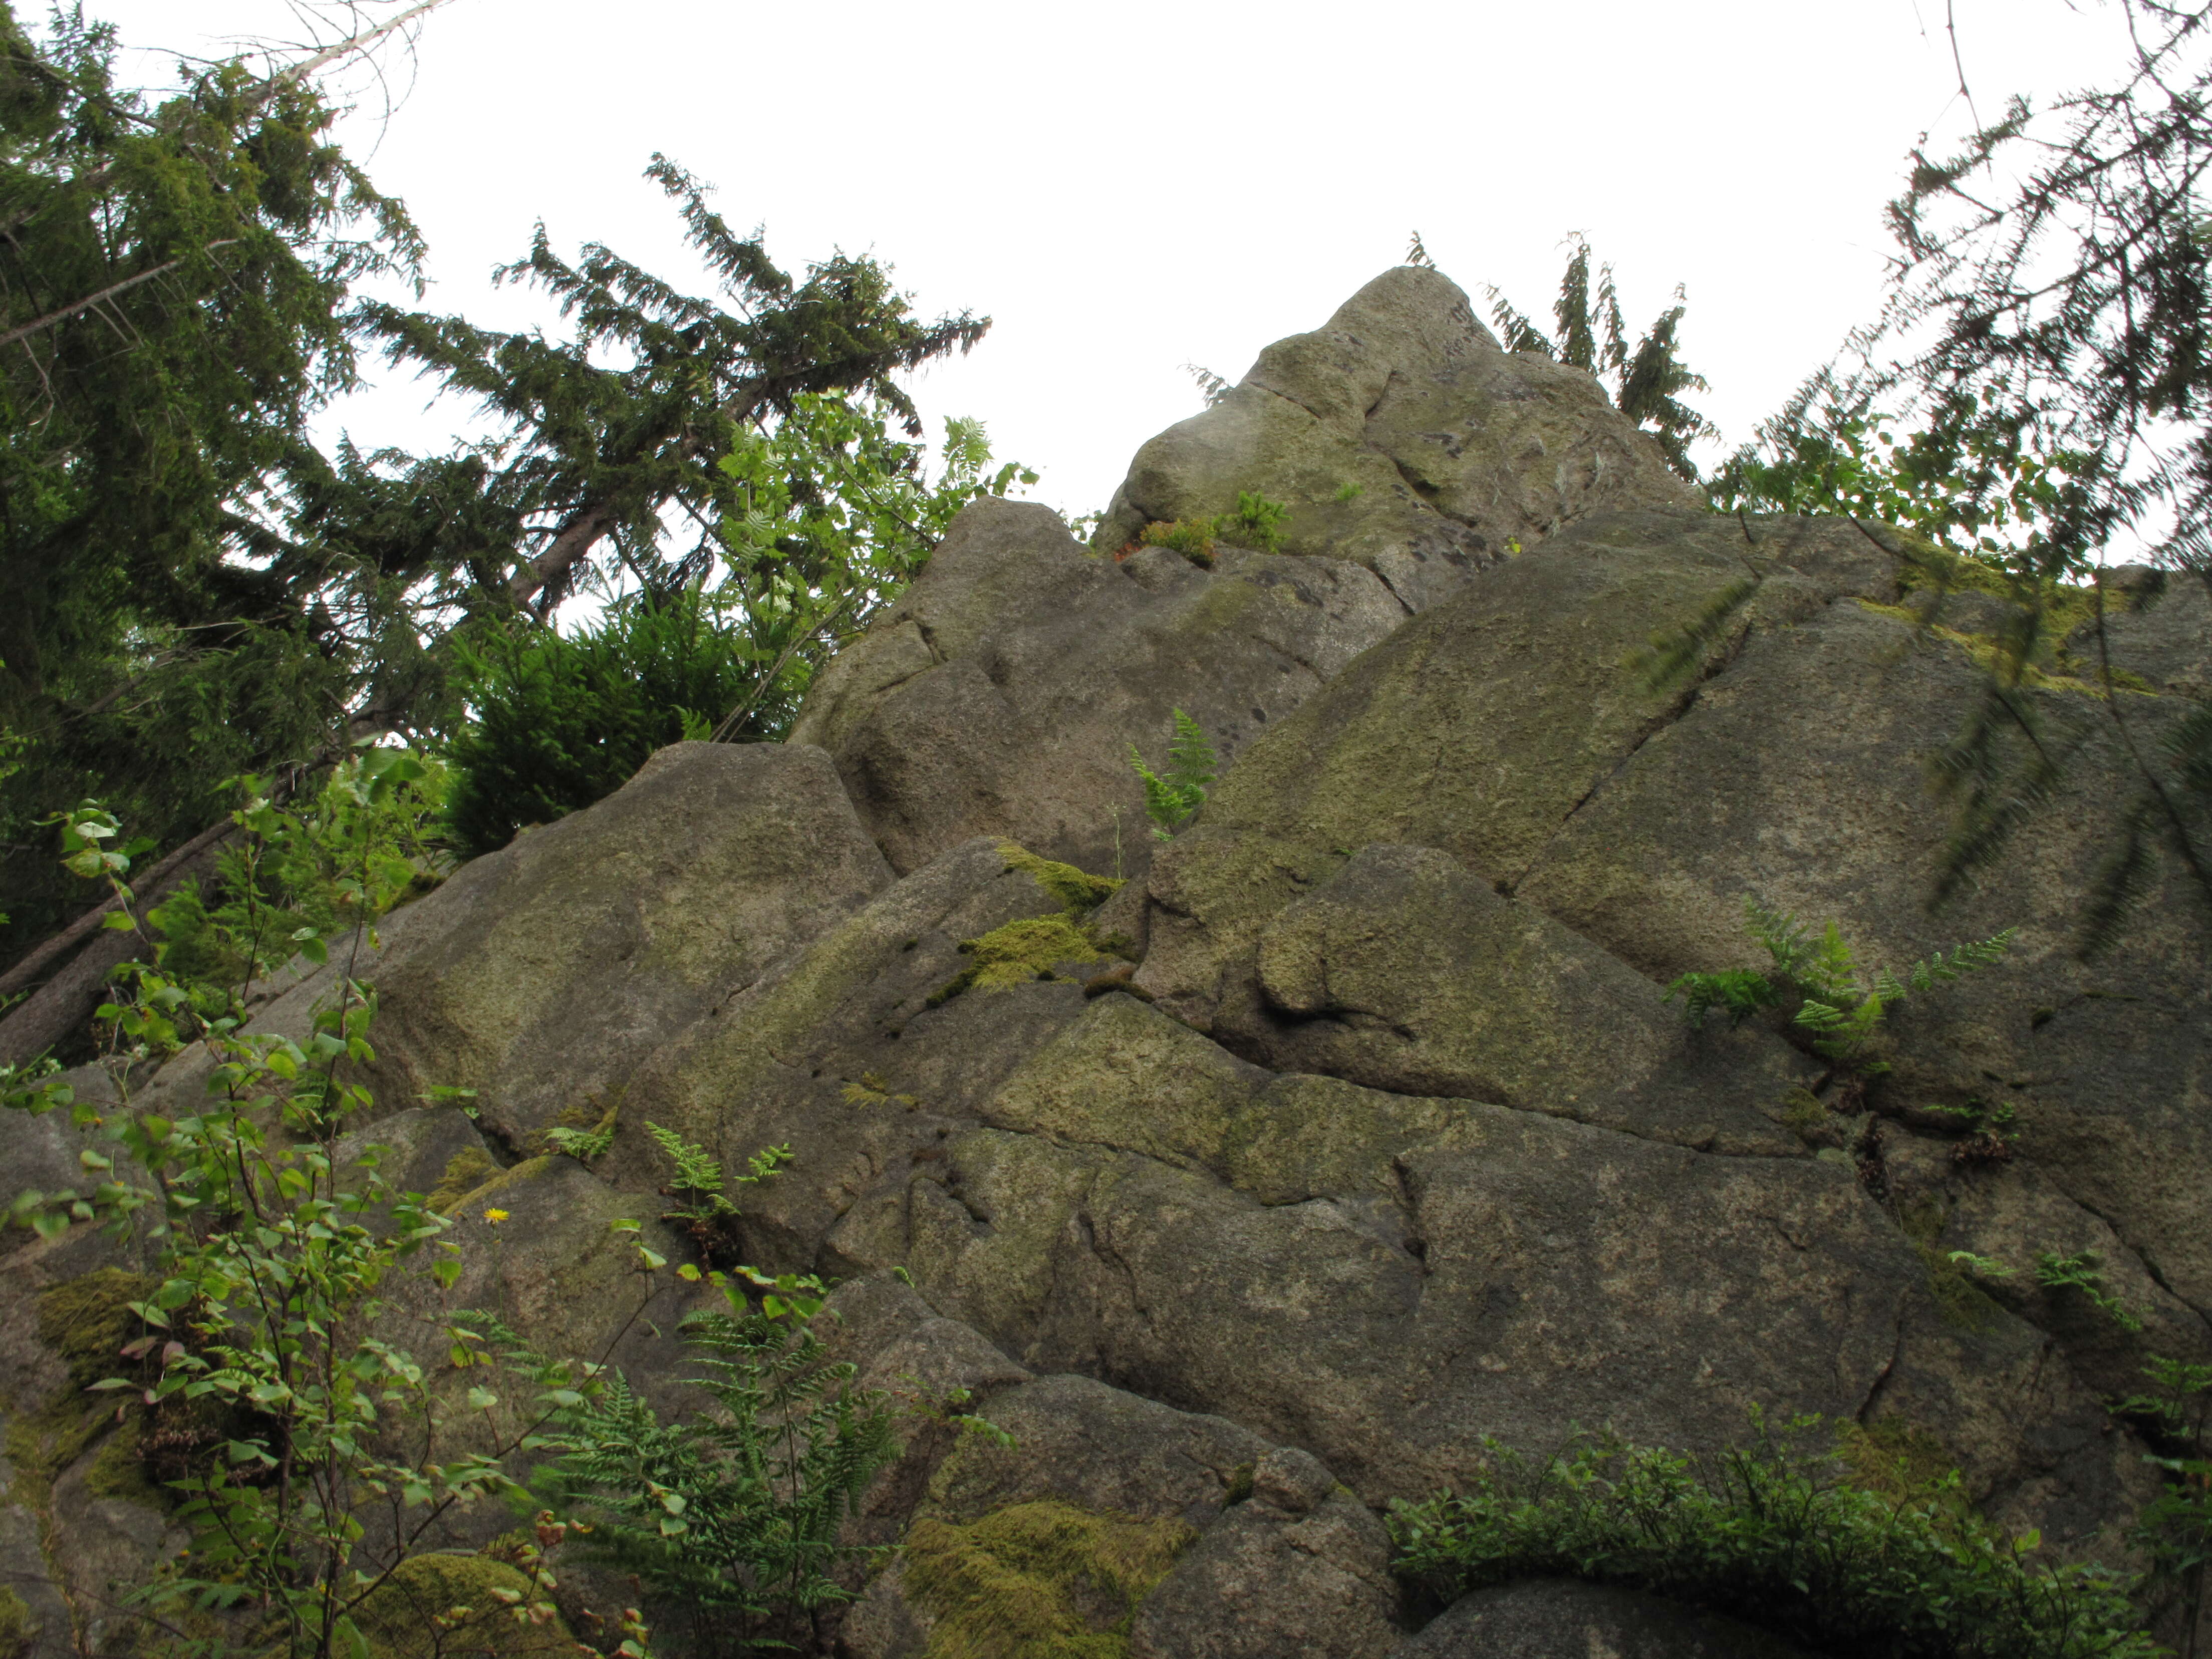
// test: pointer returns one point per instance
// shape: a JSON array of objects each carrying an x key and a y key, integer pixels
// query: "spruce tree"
[{"x": 1646, "y": 382}]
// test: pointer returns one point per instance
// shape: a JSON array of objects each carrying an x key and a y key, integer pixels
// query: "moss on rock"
[
  {"x": 88, "y": 1319},
  {"x": 1018, "y": 953},
  {"x": 465, "y": 1171},
  {"x": 1042, "y": 1580},
  {"x": 1075, "y": 890}
]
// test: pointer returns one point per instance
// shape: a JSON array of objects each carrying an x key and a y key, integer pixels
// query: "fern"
[
  {"x": 1170, "y": 800},
  {"x": 735, "y": 1516},
  {"x": 1742, "y": 991},
  {"x": 699, "y": 1184},
  {"x": 582, "y": 1144},
  {"x": 2079, "y": 1271},
  {"x": 1821, "y": 971}
]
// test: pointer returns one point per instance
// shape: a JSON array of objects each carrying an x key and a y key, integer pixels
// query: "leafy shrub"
[
  {"x": 563, "y": 720},
  {"x": 1192, "y": 538},
  {"x": 364, "y": 842},
  {"x": 1819, "y": 971},
  {"x": 1256, "y": 522},
  {"x": 733, "y": 1513},
  {"x": 1170, "y": 800},
  {"x": 266, "y": 1364},
  {"x": 1776, "y": 1538}
]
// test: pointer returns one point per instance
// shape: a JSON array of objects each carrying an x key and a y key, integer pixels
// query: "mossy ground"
[{"x": 1042, "y": 1580}]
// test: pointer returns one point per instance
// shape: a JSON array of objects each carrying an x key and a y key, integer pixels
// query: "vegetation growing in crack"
[
  {"x": 1256, "y": 522},
  {"x": 1839, "y": 1014},
  {"x": 735, "y": 1512},
  {"x": 700, "y": 1188},
  {"x": 1778, "y": 1534},
  {"x": 1172, "y": 800}
]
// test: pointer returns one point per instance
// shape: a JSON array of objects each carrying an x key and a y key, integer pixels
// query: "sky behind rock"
[{"x": 1126, "y": 189}]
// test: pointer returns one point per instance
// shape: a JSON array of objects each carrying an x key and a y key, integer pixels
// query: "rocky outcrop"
[
  {"x": 1359, "y": 1125},
  {"x": 1403, "y": 439},
  {"x": 1000, "y": 695}
]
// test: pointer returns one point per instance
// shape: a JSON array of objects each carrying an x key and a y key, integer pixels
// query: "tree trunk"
[
  {"x": 66, "y": 1002},
  {"x": 53, "y": 949}
]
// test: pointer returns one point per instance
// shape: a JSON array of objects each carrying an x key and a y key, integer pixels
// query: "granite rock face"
[
  {"x": 1359, "y": 1125},
  {"x": 1000, "y": 695}
]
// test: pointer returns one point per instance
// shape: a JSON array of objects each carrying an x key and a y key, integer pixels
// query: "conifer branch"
[{"x": 108, "y": 292}]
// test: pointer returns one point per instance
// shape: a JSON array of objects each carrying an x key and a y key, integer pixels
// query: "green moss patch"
[
  {"x": 1018, "y": 953},
  {"x": 2069, "y": 611},
  {"x": 465, "y": 1171},
  {"x": 1074, "y": 891},
  {"x": 450, "y": 1607},
  {"x": 87, "y": 1319},
  {"x": 1038, "y": 1581}
]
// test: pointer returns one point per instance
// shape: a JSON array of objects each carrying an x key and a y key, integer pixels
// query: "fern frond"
[
  {"x": 1169, "y": 800},
  {"x": 1742, "y": 991},
  {"x": 1191, "y": 758},
  {"x": 582, "y": 1144},
  {"x": 698, "y": 1173},
  {"x": 1827, "y": 971}
]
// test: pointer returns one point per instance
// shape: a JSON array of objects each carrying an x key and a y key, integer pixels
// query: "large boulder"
[{"x": 1086, "y": 1513}]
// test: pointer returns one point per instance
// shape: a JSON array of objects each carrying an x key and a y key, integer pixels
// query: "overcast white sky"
[{"x": 1127, "y": 188}]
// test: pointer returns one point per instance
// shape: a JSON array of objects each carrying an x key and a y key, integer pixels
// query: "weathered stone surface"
[
  {"x": 542, "y": 974},
  {"x": 1799, "y": 774},
  {"x": 2167, "y": 638},
  {"x": 1566, "y": 1619},
  {"x": 1407, "y": 973},
  {"x": 1480, "y": 728},
  {"x": 1001, "y": 694},
  {"x": 1301, "y": 1566},
  {"x": 1402, "y": 437},
  {"x": 1284, "y": 1560},
  {"x": 1040, "y": 664},
  {"x": 839, "y": 1055}
]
